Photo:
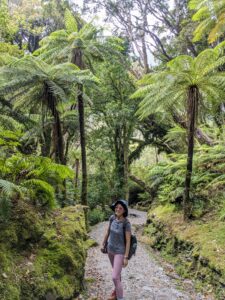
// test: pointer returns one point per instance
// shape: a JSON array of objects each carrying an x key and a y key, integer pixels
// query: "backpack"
[
  {"x": 133, "y": 243},
  {"x": 133, "y": 240}
]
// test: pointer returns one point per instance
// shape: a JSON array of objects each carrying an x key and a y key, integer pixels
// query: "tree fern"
[
  {"x": 210, "y": 14},
  {"x": 10, "y": 123}
]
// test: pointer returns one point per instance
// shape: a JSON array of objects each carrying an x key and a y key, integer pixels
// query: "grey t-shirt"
[{"x": 116, "y": 240}]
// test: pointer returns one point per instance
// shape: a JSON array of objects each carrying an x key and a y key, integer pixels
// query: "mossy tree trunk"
[
  {"x": 119, "y": 162},
  {"x": 121, "y": 145},
  {"x": 57, "y": 129},
  {"x": 193, "y": 98}
]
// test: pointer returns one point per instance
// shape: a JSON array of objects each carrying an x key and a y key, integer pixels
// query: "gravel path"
[{"x": 145, "y": 277}]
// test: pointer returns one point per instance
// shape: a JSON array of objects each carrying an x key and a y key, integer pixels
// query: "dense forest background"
[{"x": 132, "y": 108}]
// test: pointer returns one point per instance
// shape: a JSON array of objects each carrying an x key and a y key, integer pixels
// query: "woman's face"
[{"x": 119, "y": 210}]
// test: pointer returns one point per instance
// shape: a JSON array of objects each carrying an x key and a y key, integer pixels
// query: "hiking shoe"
[{"x": 112, "y": 296}]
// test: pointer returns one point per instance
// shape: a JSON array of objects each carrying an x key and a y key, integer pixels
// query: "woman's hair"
[
  {"x": 123, "y": 203},
  {"x": 125, "y": 209}
]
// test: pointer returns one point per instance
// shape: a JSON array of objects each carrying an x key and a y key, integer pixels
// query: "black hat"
[{"x": 123, "y": 203}]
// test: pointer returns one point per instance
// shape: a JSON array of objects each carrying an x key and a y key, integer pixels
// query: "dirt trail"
[{"x": 145, "y": 276}]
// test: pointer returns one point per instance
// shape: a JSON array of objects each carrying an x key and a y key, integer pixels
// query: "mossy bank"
[
  {"x": 42, "y": 256},
  {"x": 195, "y": 248}
]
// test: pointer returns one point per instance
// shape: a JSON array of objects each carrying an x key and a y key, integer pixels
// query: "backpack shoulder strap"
[{"x": 112, "y": 218}]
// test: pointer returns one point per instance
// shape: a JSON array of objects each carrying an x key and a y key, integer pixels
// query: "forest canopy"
[{"x": 112, "y": 99}]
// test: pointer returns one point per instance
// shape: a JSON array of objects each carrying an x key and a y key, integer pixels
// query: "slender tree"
[
  {"x": 30, "y": 82},
  {"x": 114, "y": 110},
  {"x": 187, "y": 82},
  {"x": 80, "y": 46}
]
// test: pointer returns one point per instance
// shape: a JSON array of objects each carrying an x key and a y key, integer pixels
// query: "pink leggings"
[{"x": 117, "y": 264}]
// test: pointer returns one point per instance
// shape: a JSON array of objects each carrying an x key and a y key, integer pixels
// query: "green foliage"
[
  {"x": 5, "y": 208},
  {"x": 7, "y": 27},
  {"x": 210, "y": 15},
  {"x": 222, "y": 210},
  {"x": 60, "y": 46},
  {"x": 70, "y": 22},
  {"x": 27, "y": 78},
  {"x": 95, "y": 216},
  {"x": 99, "y": 190},
  {"x": 28, "y": 177},
  {"x": 180, "y": 74},
  {"x": 167, "y": 179},
  {"x": 9, "y": 189},
  {"x": 8, "y": 49}
]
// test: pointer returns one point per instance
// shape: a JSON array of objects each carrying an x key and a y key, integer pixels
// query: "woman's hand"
[
  {"x": 103, "y": 248},
  {"x": 125, "y": 262}
]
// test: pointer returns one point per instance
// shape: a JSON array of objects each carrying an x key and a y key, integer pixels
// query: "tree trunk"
[
  {"x": 76, "y": 180},
  {"x": 156, "y": 155},
  {"x": 142, "y": 184},
  {"x": 46, "y": 142},
  {"x": 126, "y": 165},
  {"x": 193, "y": 96},
  {"x": 77, "y": 162},
  {"x": 145, "y": 56},
  {"x": 64, "y": 193},
  {"x": 119, "y": 162},
  {"x": 83, "y": 146},
  {"x": 57, "y": 130},
  {"x": 59, "y": 139},
  {"x": 200, "y": 135},
  {"x": 77, "y": 59},
  {"x": 143, "y": 41}
]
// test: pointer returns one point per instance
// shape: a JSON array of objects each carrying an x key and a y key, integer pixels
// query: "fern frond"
[
  {"x": 70, "y": 22},
  {"x": 10, "y": 189},
  {"x": 41, "y": 189}
]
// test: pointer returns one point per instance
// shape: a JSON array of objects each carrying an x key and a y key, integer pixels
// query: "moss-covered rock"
[
  {"x": 195, "y": 248},
  {"x": 43, "y": 257}
]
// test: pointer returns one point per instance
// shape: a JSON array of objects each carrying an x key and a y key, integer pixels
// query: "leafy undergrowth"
[
  {"x": 42, "y": 257},
  {"x": 197, "y": 248}
]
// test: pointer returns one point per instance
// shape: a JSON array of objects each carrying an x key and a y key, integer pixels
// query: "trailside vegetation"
[{"x": 132, "y": 109}]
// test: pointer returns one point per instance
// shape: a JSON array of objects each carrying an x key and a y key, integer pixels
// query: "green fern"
[
  {"x": 41, "y": 191},
  {"x": 70, "y": 22},
  {"x": 210, "y": 14},
  {"x": 10, "y": 189}
]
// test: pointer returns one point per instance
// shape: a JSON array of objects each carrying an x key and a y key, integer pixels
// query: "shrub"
[{"x": 95, "y": 216}]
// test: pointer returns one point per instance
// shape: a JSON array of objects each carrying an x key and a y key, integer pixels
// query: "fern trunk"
[
  {"x": 77, "y": 162},
  {"x": 77, "y": 59},
  {"x": 193, "y": 97},
  {"x": 57, "y": 130},
  {"x": 83, "y": 146}
]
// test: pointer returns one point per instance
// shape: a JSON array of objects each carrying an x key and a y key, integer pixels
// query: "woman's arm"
[{"x": 106, "y": 236}]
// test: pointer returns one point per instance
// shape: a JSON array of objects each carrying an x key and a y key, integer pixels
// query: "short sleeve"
[
  {"x": 128, "y": 227},
  {"x": 111, "y": 218}
]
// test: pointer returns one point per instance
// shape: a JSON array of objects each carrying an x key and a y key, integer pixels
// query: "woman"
[{"x": 118, "y": 236}]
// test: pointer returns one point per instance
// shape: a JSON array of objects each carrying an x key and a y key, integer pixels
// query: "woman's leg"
[
  {"x": 116, "y": 274},
  {"x": 111, "y": 258}
]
